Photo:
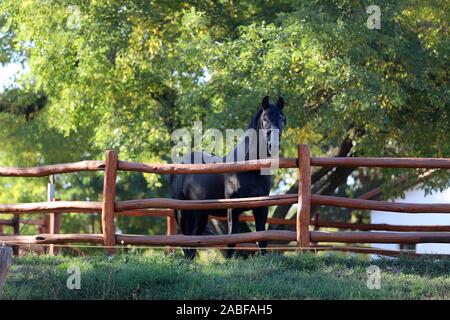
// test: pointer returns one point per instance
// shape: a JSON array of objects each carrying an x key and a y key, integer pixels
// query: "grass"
[{"x": 156, "y": 275}]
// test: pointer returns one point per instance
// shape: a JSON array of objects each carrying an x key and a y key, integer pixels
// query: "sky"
[{"x": 8, "y": 73}]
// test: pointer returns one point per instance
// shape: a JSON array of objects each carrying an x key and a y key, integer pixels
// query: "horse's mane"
[
  {"x": 253, "y": 124},
  {"x": 254, "y": 120}
]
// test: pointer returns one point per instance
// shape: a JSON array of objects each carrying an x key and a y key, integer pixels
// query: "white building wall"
[{"x": 416, "y": 196}]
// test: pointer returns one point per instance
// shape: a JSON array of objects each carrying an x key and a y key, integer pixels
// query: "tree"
[{"x": 125, "y": 74}]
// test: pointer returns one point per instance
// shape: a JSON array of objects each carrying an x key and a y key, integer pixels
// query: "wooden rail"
[
  {"x": 91, "y": 165},
  {"x": 6, "y": 222},
  {"x": 246, "y": 218},
  {"x": 146, "y": 213},
  {"x": 40, "y": 207},
  {"x": 271, "y": 221},
  {"x": 163, "y": 240},
  {"x": 347, "y": 225},
  {"x": 97, "y": 165},
  {"x": 250, "y": 165},
  {"x": 380, "y": 237},
  {"x": 251, "y": 202},
  {"x": 381, "y": 205},
  {"x": 110, "y": 208},
  {"x": 412, "y": 163},
  {"x": 379, "y": 226},
  {"x": 212, "y": 240}
]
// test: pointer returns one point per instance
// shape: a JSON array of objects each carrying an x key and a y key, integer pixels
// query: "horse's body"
[{"x": 228, "y": 185}]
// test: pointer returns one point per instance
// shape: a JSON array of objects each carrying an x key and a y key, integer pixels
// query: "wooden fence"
[{"x": 305, "y": 238}]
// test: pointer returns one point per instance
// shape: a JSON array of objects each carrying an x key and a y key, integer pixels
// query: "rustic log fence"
[{"x": 305, "y": 238}]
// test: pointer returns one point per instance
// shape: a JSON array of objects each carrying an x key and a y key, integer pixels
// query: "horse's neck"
[{"x": 249, "y": 147}]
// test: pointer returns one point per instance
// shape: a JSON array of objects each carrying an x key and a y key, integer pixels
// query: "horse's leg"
[
  {"x": 260, "y": 215},
  {"x": 200, "y": 223},
  {"x": 187, "y": 226},
  {"x": 233, "y": 225},
  {"x": 200, "y": 220}
]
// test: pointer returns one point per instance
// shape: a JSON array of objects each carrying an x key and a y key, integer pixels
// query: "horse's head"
[{"x": 271, "y": 122}]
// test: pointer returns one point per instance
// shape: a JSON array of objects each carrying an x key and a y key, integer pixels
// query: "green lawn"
[{"x": 156, "y": 275}]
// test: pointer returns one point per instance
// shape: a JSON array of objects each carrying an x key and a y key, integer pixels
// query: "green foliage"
[
  {"x": 125, "y": 74},
  {"x": 135, "y": 72}
]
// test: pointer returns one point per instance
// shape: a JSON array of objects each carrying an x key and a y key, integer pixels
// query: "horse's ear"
[
  {"x": 280, "y": 103},
  {"x": 265, "y": 102}
]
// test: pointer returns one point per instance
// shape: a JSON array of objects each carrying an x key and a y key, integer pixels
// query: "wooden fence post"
[
  {"x": 304, "y": 195},
  {"x": 46, "y": 229},
  {"x": 171, "y": 228},
  {"x": 55, "y": 228},
  {"x": 16, "y": 232},
  {"x": 5, "y": 263},
  {"x": 109, "y": 195},
  {"x": 171, "y": 225},
  {"x": 54, "y": 219}
]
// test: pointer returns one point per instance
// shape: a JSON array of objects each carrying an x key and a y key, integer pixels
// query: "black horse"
[{"x": 268, "y": 123}]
